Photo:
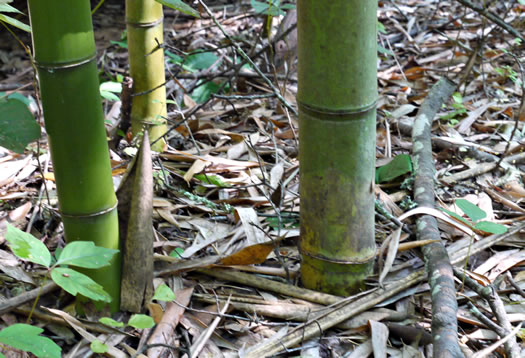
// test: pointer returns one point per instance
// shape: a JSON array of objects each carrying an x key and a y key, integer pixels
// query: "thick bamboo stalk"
[
  {"x": 64, "y": 52},
  {"x": 144, "y": 19},
  {"x": 337, "y": 97}
]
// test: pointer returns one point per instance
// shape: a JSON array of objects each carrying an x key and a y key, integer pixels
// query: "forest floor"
[{"x": 227, "y": 192}]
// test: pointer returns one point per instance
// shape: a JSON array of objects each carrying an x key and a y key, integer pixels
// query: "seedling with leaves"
[
  {"x": 83, "y": 254},
  {"x": 476, "y": 215},
  {"x": 137, "y": 321},
  {"x": 459, "y": 110},
  {"x": 508, "y": 72}
]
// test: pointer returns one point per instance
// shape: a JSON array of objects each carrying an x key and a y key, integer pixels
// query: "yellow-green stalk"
[
  {"x": 65, "y": 56},
  {"x": 144, "y": 19}
]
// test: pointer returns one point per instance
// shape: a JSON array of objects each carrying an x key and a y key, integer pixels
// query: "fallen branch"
[
  {"x": 498, "y": 309},
  {"x": 439, "y": 269},
  {"x": 14, "y": 302}
]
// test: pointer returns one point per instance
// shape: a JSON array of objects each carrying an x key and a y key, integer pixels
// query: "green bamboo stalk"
[
  {"x": 337, "y": 96},
  {"x": 65, "y": 54},
  {"x": 144, "y": 19}
]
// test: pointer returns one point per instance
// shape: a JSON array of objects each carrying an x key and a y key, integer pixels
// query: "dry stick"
[
  {"x": 492, "y": 17},
  {"x": 487, "y": 351},
  {"x": 247, "y": 58},
  {"x": 483, "y": 168},
  {"x": 11, "y": 303},
  {"x": 266, "y": 284},
  {"x": 498, "y": 309},
  {"x": 46, "y": 317},
  {"x": 317, "y": 327},
  {"x": 486, "y": 321},
  {"x": 199, "y": 343},
  {"x": 514, "y": 284},
  {"x": 439, "y": 269}
]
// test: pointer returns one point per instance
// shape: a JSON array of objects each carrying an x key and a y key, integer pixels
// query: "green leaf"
[
  {"x": 491, "y": 227},
  {"x": 74, "y": 283},
  {"x": 164, "y": 293},
  {"x": 27, "y": 247},
  {"x": 385, "y": 51},
  {"x": 14, "y": 22},
  {"x": 173, "y": 57},
  {"x": 108, "y": 90},
  {"x": 123, "y": 44},
  {"x": 85, "y": 254},
  {"x": 400, "y": 165},
  {"x": 98, "y": 347},
  {"x": 212, "y": 179},
  {"x": 111, "y": 86},
  {"x": 201, "y": 60},
  {"x": 141, "y": 321},
  {"x": 109, "y": 96},
  {"x": 181, "y": 6},
  {"x": 8, "y": 8},
  {"x": 457, "y": 97},
  {"x": 20, "y": 97},
  {"x": 111, "y": 322},
  {"x": 454, "y": 215},
  {"x": 27, "y": 338},
  {"x": 17, "y": 126},
  {"x": 177, "y": 252},
  {"x": 202, "y": 93},
  {"x": 381, "y": 27},
  {"x": 472, "y": 211}
]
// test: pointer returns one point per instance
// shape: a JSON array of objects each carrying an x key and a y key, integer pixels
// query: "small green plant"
[
  {"x": 138, "y": 321},
  {"x": 476, "y": 215},
  {"x": 83, "y": 254},
  {"x": 508, "y": 72},
  {"x": 459, "y": 110}
]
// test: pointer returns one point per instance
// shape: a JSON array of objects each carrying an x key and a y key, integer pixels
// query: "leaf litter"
[{"x": 226, "y": 206}]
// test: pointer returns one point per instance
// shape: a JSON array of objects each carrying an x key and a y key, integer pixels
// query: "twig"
[
  {"x": 197, "y": 347},
  {"x": 486, "y": 321},
  {"x": 11, "y": 303},
  {"x": 482, "y": 168},
  {"x": 485, "y": 352},
  {"x": 252, "y": 96},
  {"x": 262, "y": 283},
  {"x": 514, "y": 284},
  {"x": 498, "y": 309},
  {"x": 441, "y": 278}
]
